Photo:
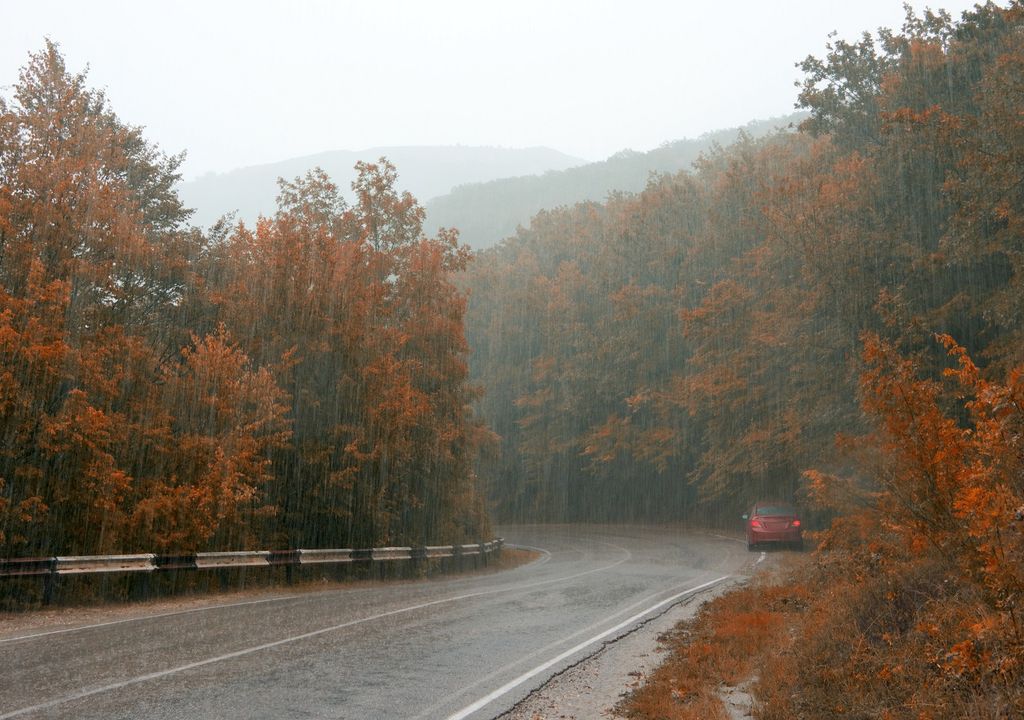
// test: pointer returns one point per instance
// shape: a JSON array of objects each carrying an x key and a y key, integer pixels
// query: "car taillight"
[
  {"x": 796, "y": 523},
  {"x": 756, "y": 523}
]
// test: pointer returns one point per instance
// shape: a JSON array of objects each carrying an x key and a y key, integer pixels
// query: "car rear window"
[{"x": 774, "y": 510}]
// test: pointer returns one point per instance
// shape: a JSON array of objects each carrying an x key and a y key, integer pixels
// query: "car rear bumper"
[{"x": 781, "y": 536}]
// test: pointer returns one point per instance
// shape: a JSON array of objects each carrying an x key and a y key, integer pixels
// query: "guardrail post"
[
  {"x": 139, "y": 586},
  {"x": 50, "y": 583},
  {"x": 287, "y": 558},
  {"x": 360, "y": 555},
  {"x": 418, "y": 560}
]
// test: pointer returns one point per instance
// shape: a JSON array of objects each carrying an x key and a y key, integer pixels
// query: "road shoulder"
[
  {"x": 597, "y": 686},
  {"x": 594, "y": 687}
]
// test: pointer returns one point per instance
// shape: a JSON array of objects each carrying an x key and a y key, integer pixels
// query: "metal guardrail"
[
  {"x": 244, "y": 558},
  {"x": 21, "y": 567},
  {"x": 52, "y": 567},
  {"x": 438, "y": 551},
  {"x": 307, "y": 557},
  {"x": 391, "y": 553},
  {"x": 81, "y": 564}
]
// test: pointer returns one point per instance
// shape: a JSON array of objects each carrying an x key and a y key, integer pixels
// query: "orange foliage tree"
[
  {"x": 91, "y": 280},
  {"x": 355, "y": 313}
]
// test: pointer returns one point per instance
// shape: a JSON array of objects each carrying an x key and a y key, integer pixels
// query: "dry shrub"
[
  {"x": 851, "y": 633},
  {"x": 885, "y": 646},
  {"x": 921, "y": 578}
]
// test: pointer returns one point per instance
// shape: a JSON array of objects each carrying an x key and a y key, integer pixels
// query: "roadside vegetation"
[
  {"x": 909, "y": 608},
  {"x": 724, "y": 646}
]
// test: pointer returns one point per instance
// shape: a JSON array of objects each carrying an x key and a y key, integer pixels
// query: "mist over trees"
[
  {"x": 301, "y": 382},
  {"x": 698, "y": 345},
  {"x": 487, "y": 212},
  {"x": 426, "y": 172}
]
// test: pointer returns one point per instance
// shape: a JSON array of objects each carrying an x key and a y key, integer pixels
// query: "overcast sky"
[{"x": 241, "y": 83}]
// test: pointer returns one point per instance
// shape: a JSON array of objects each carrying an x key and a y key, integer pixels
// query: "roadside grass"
[
  {"x": 724, "y": 645},
  {"x": 840, "y": 635}
]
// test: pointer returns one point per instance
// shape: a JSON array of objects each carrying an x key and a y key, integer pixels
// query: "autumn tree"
[
  {"x": 208, "y": 474},
  {"x": 91, "y": 258},
  {"x": 353, "y": 311}
]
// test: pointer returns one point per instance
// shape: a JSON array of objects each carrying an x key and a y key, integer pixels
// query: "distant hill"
[
  {"x": 424, "y": 171},
  {"x": 487, "y": 212}
]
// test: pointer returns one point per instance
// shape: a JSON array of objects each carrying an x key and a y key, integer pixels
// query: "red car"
[{"x": 773, "y": 522}]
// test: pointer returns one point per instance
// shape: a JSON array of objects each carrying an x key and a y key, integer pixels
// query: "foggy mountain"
[
  {"x": 426, "y": 172},
  {"x": 487, "y": 212}
]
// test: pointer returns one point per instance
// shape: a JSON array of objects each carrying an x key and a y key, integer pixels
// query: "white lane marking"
[
  {"x": 146, "y": 617},
  {"x": 541, "y": 561},
  {"x": 432, "y": 712},
  {"x": 726, "y": 537},
  {"x": 512, "y": 684},
  {"x": 760, "y": 559},
  {"x": 304, "y": 636}
]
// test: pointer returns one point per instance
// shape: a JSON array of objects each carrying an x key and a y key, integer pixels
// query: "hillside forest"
[
  {"x": 487, "y": 212},
  {"x": 702, "y": 343},
  {"x": 834, "y": 315},
  {"x": 426, "y": 172}
]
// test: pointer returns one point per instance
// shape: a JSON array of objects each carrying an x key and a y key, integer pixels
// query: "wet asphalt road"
[{"x": 462, "y": 647}]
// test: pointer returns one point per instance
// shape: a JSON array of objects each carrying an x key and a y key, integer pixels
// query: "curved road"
[{"x": 454, "y": 648}]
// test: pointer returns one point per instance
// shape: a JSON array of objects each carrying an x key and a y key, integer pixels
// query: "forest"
[
  {"x": 487, "y": 212},
  {"x": 701, "y": 344},
  {"x": 664, "y": 355},
  {"x": 298, "y": 383}
]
